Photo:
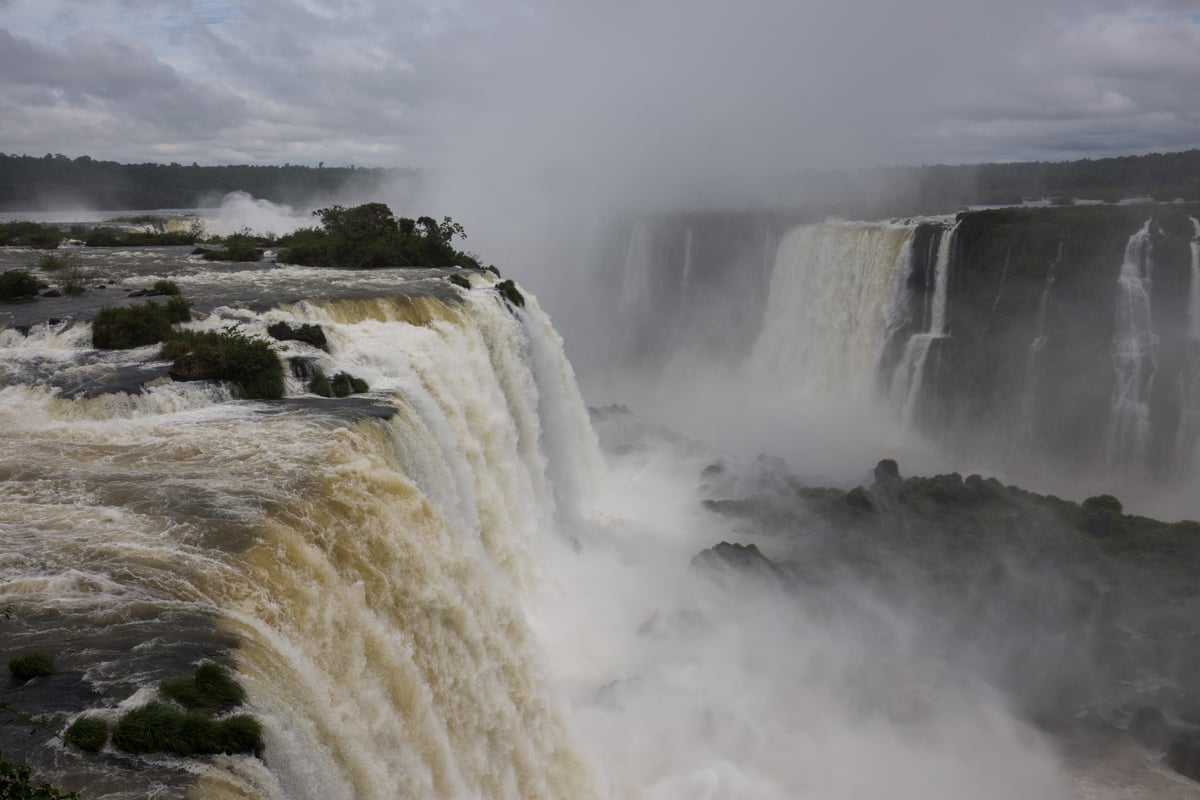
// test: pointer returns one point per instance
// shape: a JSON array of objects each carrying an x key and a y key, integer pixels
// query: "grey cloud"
[
  {"x": 652, "y": 87},
  {"x": 96, "y": 76}
]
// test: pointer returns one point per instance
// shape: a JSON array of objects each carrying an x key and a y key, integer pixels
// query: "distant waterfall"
[
  {"x": 635, "y": 277},
  {"x": 1188, "y": 436},
  {"x": 909, "y": 376},
  {"x": 1135, "y": 356},
  {"x": 830, "y": 306},
  {"x": 1032, "y": 359}
]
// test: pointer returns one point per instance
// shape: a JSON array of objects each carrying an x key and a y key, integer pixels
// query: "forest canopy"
[{"x": 30, "y": 183}]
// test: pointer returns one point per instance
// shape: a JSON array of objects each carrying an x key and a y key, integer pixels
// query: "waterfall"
[
  {"x": 1032, "y": 375},
  {"x": 830, "y": 306},
  {"x": 1135, "y": 357},
  {"x": 367, "y": 558},
  {"x": 909, "y": 376},
  {"x": 1188, "y": 435},
  {"x": 635, "y": 276}
]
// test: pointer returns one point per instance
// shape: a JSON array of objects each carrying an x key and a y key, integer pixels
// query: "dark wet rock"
[
  {"x": 1183, "y": 754},
  {"x": 1148, "y": 725},
  {"x": 51, "y": 293},
  {"x": 739, "y": 557},
  {"x": 309, "y": 334},
  {"x": 859, "y": 499},
  {"x": 193, "y": 367},
  {"x": 302, "y": 369}
]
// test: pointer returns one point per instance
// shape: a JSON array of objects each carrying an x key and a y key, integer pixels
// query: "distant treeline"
[
  {"x": 940, "y": 188},
  {"x": 32, "y": 183},
  {"x": 51, "y": 181}
]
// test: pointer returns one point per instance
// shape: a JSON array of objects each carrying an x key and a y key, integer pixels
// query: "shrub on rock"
[
  {"x": 226, "y": 356},
  {"x": 509, "y": 291},
  {"x": 17, "y": 284}
]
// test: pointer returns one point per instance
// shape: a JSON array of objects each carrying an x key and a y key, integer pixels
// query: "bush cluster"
[
  {"x": 17, "y": 284},
  {"x": 158, "y": 728},
  {"x": 242, "y": 246},
  {"x": 309, "y": 334},
  {"x": 16, "y": 783},
  {"x": 341, "y": 385},
  {"x": 30, "y": 234},
  {"x": 371, "y": 236},
  {"x": 126, "y": 327},
  {"x": 229, "y": 355}
]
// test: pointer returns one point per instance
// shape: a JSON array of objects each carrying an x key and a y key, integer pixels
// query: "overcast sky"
[{"x": 638, "y": 85}]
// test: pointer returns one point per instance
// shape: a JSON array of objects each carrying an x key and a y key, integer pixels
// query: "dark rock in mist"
[
  {"x": 1183, "y": 754},
  {"x": 745, "y": 558},
  {"x": 1067, "y": 607},
  {"x": 1148, "y": 725},
  {"x": 680, "y": 622}
]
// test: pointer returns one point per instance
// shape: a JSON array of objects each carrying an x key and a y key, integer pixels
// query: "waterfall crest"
[
  {"x": 829, "y": 305},
  {"x": 370, "y": 558}
]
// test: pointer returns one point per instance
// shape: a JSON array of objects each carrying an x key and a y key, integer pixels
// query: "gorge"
[{"x": 461, "y": 583}]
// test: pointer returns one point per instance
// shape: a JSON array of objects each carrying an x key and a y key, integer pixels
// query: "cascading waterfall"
[
  {"x": 368, "y": 557},
  {"x": 1189, "y": 379},
  {"x": 1032, "y": 374},
  {"x": 635, "y": 277},
  {"x": 1135, "y": 356},
  {"x": 909, "y": 376},
  {"x": 830, "y": 306}
]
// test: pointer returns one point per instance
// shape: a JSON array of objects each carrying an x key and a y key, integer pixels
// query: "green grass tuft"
[
  {"x": 158, "y": 728},
  {"x": 31, "y": 665},
  {"x": 130, "y": 326},
  {"x": 209, "y": 688},
  {"x": 53, "y": 262},
  {"x": 178, "y": 309},
  {"x": 89, "y": 734}
]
